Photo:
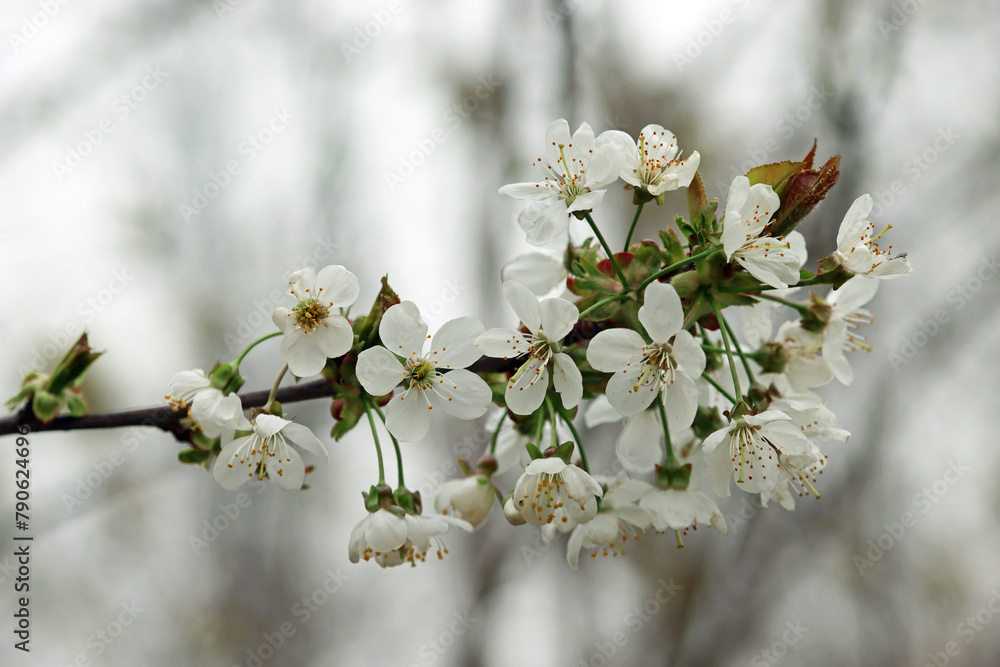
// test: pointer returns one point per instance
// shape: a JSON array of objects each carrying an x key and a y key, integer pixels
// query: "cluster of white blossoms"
[{"x": 640, "y": 337}]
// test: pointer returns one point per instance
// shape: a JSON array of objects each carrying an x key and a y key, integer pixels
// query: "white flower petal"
[
  {"x": 557, "y": 317},
  {"x": 379, "y": 371},
  {"x": 461, "y": 394},
  {"x": 661, "y": 313},
  {"x": 567, "y": 380},
  {"x": 609, "y": 351},
  {"x": 454, "y": 345},
  {"x": 336, "y": 287},
  {"x": 402, "y": 330},
  {"x": 408, "y": 416},
  {"x": 524, "y": 303}
]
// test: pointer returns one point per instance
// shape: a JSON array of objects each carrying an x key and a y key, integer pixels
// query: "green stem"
[
  {"x": 236, "y": 364},
  {"x": 818, "y": 280},
  {"x": 739, "y": 351},
  {"x": 670, "y": 459},
  {"x": 496, "y": 434},
  {"x": 395, "y": 445},
  {"x": 579, "y": 444},
  {"x": 638, "y": 212},
  {"x": 552, "y": 421},
  {"x": 378, "y": 447},
  {"x": 601, "y": 303},
  {"x": 673, "y": 267},
  {"x": 801, "y": 307},
  {"x": 725, "y": 340},
  {"x": 718, "y": 387},
  {"x": 607, "y": 251},
  {"x": 274, "y": 387}
]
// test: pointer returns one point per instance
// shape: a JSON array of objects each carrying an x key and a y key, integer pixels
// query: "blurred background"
[{"x": 165, "y": 165}]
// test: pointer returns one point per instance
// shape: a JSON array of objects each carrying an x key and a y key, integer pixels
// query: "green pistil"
[
  {"x": 309, "y": 313},
  {"x": 421, "y": 374}
]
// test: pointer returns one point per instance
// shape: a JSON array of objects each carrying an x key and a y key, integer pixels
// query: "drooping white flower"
[
  {"x": 666, "y": 366},
  {"x": 392, "y": 537},
  {"x": 376, "y": 535},
  {"x": 572, "y": 172},
  {"x": 748, "y": 448},
  {"x": 313, "y": 332},
  {"x": 859, "y": 251},
  {"x": 458, "y": 392},
  {"x": 847, "y": 315},
  {"x": 551, "y": 490},
  {"x": 797, "y": 476},
  {"x": 775, "y": 262},
  {"x": 538, "y": 271},
  {"x": 266, "y": 451},
  {"x": 207, "y": 406},
  {"x": 618, "y": 520},
  {"x": 548, "y": 321},
  {"x": 806, "y": 367},
  {"x": 673, "y": 509},
  {"x": 470, "y": 498},
  {"x": 652, "y": 163}
]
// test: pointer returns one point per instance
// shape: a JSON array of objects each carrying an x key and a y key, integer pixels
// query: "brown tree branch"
[{"x": 166, "y": 419}]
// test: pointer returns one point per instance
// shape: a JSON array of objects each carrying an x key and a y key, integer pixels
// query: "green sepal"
[
  {"x": 466, "y": 468},
  {"x": 46, "y": 405},
  {"x": 533, "y": 451},
  {"x": 565, "y": 451},
  {"x": 194, "y": 456},
  {"x": 674, "y": 476},
  {"x": 673, "y": 249},
  {"x": 71, "y": 368},
  {"x": 352, "y": 409},
  {"x": 75, "y": 403}
]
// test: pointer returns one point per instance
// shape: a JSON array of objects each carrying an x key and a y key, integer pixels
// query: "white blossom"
[
  {"x": 458, "y": 392},
  {"x": 652, "y": 163},
  {"x": 313, "y": 332},
  {"x": 572, "y": 173},
  {"x": 775, "y": 262},
  {"x": 266, "y": 451},
  {"x": 667, "y": 366},
  {"x": 859, "y": 251},
  {"x": 548, "y": 321}
]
